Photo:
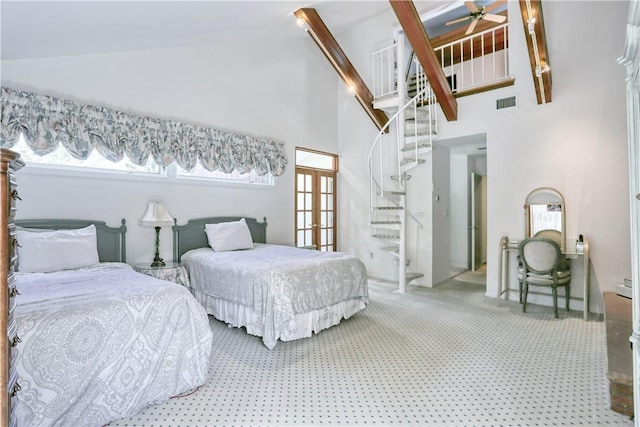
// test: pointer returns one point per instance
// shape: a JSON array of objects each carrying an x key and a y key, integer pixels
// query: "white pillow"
[
  {"x": 47, "y": 251},
  {"x": 229, "y": 236}
]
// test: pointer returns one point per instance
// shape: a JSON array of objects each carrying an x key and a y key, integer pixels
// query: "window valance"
[{"x": 46, "y": 121}]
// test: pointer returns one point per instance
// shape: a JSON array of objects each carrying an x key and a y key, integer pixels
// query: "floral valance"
[{"x": 46, "y": 121}]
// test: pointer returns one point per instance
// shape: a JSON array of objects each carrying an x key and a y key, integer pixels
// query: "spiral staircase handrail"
[{"x": 373, "y": 183}]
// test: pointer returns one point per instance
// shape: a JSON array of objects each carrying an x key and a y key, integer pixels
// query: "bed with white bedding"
[
  {"x": 100, "y": 342},
  {"x": 276, "y": 292}
]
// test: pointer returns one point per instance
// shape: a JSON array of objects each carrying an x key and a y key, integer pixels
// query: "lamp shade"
[{"x": 156, "y": 216}]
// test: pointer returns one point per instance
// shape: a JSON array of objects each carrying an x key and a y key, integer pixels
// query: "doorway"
[
  {"x": 316, "y": 200},
  {"x": 468, "y": 164},
  {"x": 477, "y": 222}
]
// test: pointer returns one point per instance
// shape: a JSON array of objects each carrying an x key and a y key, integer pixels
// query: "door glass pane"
[
  {"x": 330, "y": 201},
  {"x": 330, "y": 219},
  {"x": 323, "y": 219},
  {"x": 330, "y": 185},
  {"x": 307, "y": 222},
  {"x": 323, "y": 237},
  {"x": 300, "y": 185},
  {"x": 307, "y": 201},
  {"x": 300, "y": 201},
  {"x": 330, "y": 236},
  {"x": 323, "y": 184},
  {"x": 307, "y": 185},
  {"x": 300, "y": 239},
  {"x": 300, "y": 223},
  {"x": 307, "y": 237},
  {"x": 323, "y": 202}
]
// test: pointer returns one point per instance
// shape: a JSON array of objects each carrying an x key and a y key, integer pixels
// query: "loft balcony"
[{"x": 472, "y": 64}]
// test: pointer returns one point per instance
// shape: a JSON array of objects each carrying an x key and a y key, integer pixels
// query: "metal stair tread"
[
  {"x": 410, "y": 114},
  {"x": 386, "y": 236},
  {"x": 391, "y": 193},
  {"x": 419, "y": 133},
  {"x": 412, "y": 146},
  {"x": 413, "y": 276},
  {"x": 410, "y": 161},
  {"x": 386, "y": 222},
  {"x": 389, "y": 208}
]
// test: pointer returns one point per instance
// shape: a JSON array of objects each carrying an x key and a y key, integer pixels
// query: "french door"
[{"x": 315, "y": 209}]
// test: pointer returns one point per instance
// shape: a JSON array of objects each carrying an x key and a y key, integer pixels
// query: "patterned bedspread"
[
  {"x": 100, "y": 343},
  {"x": 277, "y": 282}
]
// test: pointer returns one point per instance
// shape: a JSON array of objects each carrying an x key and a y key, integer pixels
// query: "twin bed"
[
  {"x": 276, "y": 292},
  {"x": 100, "y": 341}
]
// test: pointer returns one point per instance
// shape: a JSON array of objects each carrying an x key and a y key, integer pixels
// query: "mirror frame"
[{"x": 527, "y": 219}]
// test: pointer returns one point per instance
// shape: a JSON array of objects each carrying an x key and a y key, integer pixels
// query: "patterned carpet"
[{"x": 441, "y": 356}]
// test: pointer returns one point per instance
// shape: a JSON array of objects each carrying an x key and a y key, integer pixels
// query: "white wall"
[
  {"x": 576, "y": 143},
  {"x": 281, "y": 91}
]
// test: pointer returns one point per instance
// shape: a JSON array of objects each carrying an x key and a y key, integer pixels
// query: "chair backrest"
[
  {"x": 540, "y": 255},
  {"x": 554, "y": 235}
]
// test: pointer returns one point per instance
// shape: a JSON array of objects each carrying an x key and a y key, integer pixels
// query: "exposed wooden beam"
[
  {"x": 340, "y": 62},
  {"x": 417, "y": 35},
  {"x": 533, "y": 22}
]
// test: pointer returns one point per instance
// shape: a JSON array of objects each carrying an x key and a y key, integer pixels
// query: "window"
[
  {"x": 62, "y": 159},
  {"x": 200, "y": 172}
]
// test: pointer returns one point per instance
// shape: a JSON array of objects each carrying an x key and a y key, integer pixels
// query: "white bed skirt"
[{"x": 300, "y": 326}]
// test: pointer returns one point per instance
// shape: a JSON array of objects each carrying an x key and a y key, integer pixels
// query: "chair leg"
[
  {"x": 567, "y": 294},
  {"x": 555, "y": 301},
  {"x": 520, "y": 291},
  {"x": 524, "y": 298}
]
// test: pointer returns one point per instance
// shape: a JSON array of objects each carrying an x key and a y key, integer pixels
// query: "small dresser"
[{"x": 9, "y": 163}]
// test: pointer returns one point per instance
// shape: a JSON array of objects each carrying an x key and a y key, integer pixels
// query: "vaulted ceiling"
[{"x": 31, "y": 29}]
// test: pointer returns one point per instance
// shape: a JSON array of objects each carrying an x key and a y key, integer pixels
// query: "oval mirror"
[{"x": 544, "y": 215}]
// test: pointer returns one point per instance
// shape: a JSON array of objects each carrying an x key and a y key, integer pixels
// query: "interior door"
[
  {"x": 316, "y": 209},
  {"x": 475, "y": 229}
]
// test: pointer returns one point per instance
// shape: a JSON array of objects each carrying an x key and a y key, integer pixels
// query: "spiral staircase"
[{"x": 402, "y": 144}]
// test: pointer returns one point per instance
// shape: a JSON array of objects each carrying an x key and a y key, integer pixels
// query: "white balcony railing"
[
  {"x": 476, "y": 60},
  {"x": 384, "y": 72}
]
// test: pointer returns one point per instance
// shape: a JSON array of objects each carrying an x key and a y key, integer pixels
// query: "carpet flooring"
[{"x": 443, "y": 356}]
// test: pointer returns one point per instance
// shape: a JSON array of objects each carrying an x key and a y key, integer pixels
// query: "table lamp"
[{"x": 156, "y": 216}]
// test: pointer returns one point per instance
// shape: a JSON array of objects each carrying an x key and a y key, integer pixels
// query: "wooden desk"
[{"x": 507, "y": 246}]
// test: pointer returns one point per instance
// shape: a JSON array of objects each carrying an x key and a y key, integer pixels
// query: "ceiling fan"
[{"x": 480, "y": 12}]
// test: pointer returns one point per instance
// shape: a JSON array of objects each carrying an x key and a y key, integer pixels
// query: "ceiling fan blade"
[
  {"x": 472, "y": 27},
  {"x": 471, "y": 6},
  {"x": 495, "y": 18},
  {"x": 455, "y": 21},
  {"x": 496, "y": 4}
]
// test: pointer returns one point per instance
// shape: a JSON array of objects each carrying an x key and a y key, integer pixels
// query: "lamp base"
[{"x": 158, "y": 262}]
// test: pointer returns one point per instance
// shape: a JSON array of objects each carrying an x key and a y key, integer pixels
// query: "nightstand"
[{"x": 172, "y": 271}]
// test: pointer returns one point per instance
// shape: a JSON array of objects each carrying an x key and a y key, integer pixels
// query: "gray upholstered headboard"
[
  {"x": 192, "y": 235},
  {"x": 111, "y": 240}
]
